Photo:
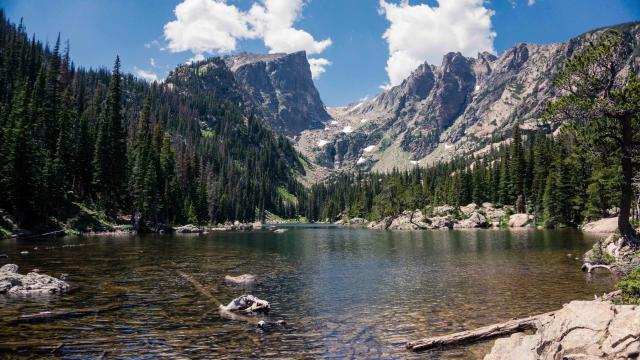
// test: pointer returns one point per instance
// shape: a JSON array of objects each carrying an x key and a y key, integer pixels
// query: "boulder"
[
  {"x": 357, "y": 221},
  {"x": 443, "y": 210},
  {"x": 280, "y": 231},
  {"x": 339, "y": 222},
  {"x": 518, "y": 220},
  {"x": 9, "y": 268},
  {"x": 408, "y": 220},
  {"x": 244, "y": 279},
  {"x": 476, "y": 220},
  {"x": 580, "y": 330},
  {"x": 441, "y": 222},
  {"x": 606, "y": 225},
  {"x": 12, "y": 283},
  {"x": 469, "y": 209},
  {"x": 247, "y": 304},
  {"x": 188, "y": 229}
]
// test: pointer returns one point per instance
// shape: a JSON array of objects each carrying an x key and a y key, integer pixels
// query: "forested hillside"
[{"x": 72, "y": 139}]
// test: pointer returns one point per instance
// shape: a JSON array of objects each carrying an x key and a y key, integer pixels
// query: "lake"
[{"x": 345, "y": 293}]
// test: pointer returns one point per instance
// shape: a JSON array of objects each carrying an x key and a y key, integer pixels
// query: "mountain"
[
  {"x": 438, "y": 112},
  {"x": 277, "y": 88}
]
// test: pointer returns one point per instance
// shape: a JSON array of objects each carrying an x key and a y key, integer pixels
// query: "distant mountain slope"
[
  {"x": 439, "y": 112},
  {"x": 276, "y": 87}
]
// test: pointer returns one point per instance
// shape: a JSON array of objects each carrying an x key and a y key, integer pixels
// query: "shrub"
[{"x": 630, "y": 287}]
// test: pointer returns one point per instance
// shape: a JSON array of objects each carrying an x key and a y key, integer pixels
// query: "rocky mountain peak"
[
  {"x": 457, "y": 108},
  {"x": 276, "y": 87}
]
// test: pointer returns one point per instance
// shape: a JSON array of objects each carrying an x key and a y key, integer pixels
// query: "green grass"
[{"x": 630, "y": 287}]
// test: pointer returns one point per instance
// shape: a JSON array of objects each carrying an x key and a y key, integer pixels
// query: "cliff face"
[
  {"x": 456, "y": 108},
  {"x": 275, "y": 87}
]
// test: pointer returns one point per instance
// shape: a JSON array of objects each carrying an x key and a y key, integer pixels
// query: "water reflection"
[{"x": 344, "y": 292}]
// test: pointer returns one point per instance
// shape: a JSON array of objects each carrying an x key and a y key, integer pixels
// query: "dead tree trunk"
[{"x": 481, "y": 334}]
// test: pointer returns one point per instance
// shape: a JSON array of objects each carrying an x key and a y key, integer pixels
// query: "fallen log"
[
  {"x": 589, "y": 267},
  {"x": 67, "y": 314},
  {"x": 481, "y": 334},
  {"x": 201, "y": 289}
]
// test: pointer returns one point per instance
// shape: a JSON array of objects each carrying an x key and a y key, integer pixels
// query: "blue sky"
[{"x": 359, "y": 56}]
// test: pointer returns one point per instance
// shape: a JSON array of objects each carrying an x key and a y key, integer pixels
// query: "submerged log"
[
  {"x": 67, "y": 314},
  {"x": 481, "y": 334}
]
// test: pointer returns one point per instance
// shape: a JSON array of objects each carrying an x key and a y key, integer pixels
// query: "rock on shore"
[
  {"x": 606, "y": 225},
  {"x": 33, "y": 283},
  {"x": 580, "y": 330},
  {"x": 519, "y": 220}
]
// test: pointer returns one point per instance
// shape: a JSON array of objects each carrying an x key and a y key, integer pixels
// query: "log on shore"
[{"x": 481, "y": 334}]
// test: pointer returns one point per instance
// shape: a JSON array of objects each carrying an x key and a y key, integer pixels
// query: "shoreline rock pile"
[{"x": 471, "y": 216}]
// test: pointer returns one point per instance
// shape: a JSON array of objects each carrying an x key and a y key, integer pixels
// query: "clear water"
[{"x": 345, "y": 293}]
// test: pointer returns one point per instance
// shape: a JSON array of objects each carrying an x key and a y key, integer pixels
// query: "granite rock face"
[
  {"x": 580, "y": 330},
  {"x": 276, "y": 87}
]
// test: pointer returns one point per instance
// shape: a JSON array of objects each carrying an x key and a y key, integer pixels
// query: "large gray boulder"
[
  {"x": 409, "y": 220},
  {"x": 12, "y": 283},
  {"x": 518, "y": 220},
  {"x": 469, "y": 209},
  {"x": 580, "y": 330},
  {"x": 604, "y": 226},
  {"x": 247, "y": 304},
  {"x": 476, "y": 220},
  {"x": 441, "y": 222}
]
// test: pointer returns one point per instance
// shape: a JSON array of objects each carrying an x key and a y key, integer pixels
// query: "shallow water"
[{"x": 345, "y": 293}]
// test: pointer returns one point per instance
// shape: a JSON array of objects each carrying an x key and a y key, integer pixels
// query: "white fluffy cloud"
[
  {"x": 419, "y": 33},
  {"x": 213, "y": 26},
  {"x": 144, "y": 74},
  {"x": 318, "y": 66}
]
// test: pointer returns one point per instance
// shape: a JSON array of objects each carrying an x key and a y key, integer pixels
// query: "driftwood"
[
  {"x": 589, "y": 267},
  {"x": 67, "y": 314},
  {"x": 480, "y": 334}
]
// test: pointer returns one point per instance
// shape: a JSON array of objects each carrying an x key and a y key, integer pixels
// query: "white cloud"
[
  {"x": 419, "y": 33},
  {"x": 206, "y": 26},
  {"x": 531, "y": 2},
  {"x": 213, "y": 26},
  {"x": 318, "y": 66},
  {"x": 144, "y": 74},
  {"x": 152, "y": 61}
]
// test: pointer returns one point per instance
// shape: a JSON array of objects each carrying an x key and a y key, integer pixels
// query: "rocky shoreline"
[{"x": 471, "y": 216}]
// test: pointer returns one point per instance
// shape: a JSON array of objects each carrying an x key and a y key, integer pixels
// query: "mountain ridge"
[{"x": 447, "y": 110}]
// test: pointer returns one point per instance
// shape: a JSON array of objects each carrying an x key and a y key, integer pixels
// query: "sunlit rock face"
[{"x": 278, "y": 88}]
